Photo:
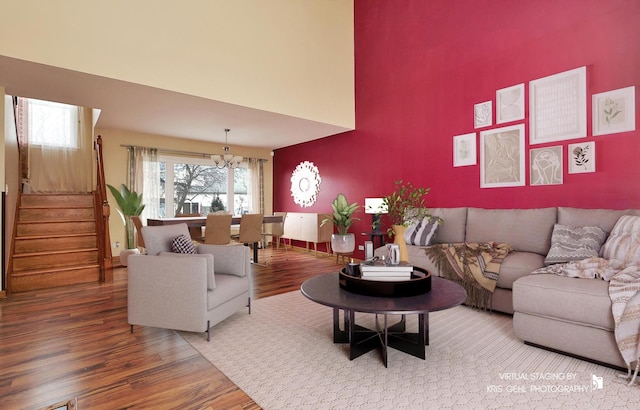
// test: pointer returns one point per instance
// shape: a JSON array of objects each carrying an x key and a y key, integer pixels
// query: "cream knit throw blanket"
[{"x": 624, "y": 291}]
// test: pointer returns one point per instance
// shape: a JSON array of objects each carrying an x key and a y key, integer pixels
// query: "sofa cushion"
[
  {"x": 229, "y": 287},
  {"x": 517, "y": 265},
  {"x": 574, "y": 243},
  {"x": 421, "y": 232},
  {"x": 581, "y": 301},
  {"x": 623, "y": 243},
  {"x": 604, "y": 218},
  {"x": 158, "y": 238},
  {"x": 527, "y": 230},
  {"x": 182, "y": 244},
  {"x": 453, "y": 225}
]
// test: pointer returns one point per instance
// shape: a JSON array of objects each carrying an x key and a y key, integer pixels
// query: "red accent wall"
[{"x": 420, "y": 66}]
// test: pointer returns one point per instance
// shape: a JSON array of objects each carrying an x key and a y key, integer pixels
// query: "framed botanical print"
[
  {"x": 464, "y": 150},
  {"x": 614, "y": 111}
]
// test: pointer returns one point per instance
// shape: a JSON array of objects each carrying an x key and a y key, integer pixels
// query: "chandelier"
[{"x": 227, "y": 160}]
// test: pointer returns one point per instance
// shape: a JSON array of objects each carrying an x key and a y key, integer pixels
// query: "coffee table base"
[{"x": 363, "y": 340}]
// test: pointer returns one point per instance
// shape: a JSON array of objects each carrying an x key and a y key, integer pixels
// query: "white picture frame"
[
  {"x": 558, "y": 107},
  {"x": 502, "y": 157},
  {"x": 483, "y": 114},
  {"x": 582, "y": 157},
  {"x": 614, "y": 111},
  {"x": 510, "y": 104},
  {"x": 464, "y": 150},
  {"x": 545, "y": 166}
]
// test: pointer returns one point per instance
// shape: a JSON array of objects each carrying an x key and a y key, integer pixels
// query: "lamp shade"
[{"x": 374, "y": 206}]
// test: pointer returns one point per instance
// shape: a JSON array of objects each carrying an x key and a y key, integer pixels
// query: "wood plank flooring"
[{"x": 73, "y": 342}]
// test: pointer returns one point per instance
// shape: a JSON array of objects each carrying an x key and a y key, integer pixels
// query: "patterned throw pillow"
[
  {"x": 421, "y": 232},
  {"x": 182, "y": 244},
  {"x": 573, "y": 243}
]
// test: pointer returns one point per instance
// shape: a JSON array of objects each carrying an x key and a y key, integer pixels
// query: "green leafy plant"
[
  {"x": 406, "y": 203},
  {"x": 130, "y": 204},
  {"x": 342, "y": 217}
]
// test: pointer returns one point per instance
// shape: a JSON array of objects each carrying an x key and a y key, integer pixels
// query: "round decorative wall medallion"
[{"x": 305, "y": 184}]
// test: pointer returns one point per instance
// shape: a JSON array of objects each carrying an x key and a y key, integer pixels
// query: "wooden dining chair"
[
  {"x": 250, "y": 232},
  {"x": 194, "y": 231},
  {"x": 217, "y": 229},
  {"x": 137, "y": 222},
  {"x": 277, "y": 230}
]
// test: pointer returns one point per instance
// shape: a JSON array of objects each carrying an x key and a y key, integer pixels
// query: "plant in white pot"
[
  {"x": 342, "y": 218},
  {"x": 130, "y": 204}
]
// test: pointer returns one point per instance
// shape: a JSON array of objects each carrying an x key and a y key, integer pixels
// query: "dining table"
[{"x": 198, "y": 221}]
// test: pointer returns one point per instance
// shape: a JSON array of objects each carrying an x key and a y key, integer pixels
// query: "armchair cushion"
[
  {"x": 211, "y": 279},
  {"x": 158, "y": 238},
  {"x": 183, "y": 244},
  {"x": 230, "y": 259}
]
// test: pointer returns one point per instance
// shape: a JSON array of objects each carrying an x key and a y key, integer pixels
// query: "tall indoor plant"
[
  {"x": 342, "y": 218},
  {"x": 130, "y": 204},
  {"x": 404, "y": 205}
]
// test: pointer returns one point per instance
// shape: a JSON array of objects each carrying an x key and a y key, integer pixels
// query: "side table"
[{"x": 376, "y": 234}]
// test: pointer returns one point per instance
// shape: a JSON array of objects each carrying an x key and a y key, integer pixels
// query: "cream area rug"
[{"x": 283, "y": 357}]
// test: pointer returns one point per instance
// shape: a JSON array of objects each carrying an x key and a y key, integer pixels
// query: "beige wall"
[
  {"x": 115, "y": 166},
  {"x": 293, "y": 57}
]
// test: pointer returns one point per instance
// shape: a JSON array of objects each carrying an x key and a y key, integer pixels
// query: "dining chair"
[
  {"x": 217, "y": 229},
  {"x": 194, "y": 231},
  {"x": 250, "y": 232},
  {"x": 277, "y": 230},
  {"x": 137, "y": 222}
]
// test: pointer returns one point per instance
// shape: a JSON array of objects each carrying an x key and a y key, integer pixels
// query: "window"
[
  {"x": 196, "y": 186},
  {"x": 52, "y": 124}
]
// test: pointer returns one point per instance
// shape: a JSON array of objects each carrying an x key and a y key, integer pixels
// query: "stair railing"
[{"x": 103, "y": 212}]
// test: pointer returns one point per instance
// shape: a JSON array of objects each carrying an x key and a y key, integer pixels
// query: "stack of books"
[{"x": 379, "y": 270}]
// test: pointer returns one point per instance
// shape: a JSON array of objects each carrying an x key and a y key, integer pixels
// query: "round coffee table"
[{"x": 325, "y": 290}]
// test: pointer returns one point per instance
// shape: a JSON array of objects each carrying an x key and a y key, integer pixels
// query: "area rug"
[{"x": 283, "y": 357}]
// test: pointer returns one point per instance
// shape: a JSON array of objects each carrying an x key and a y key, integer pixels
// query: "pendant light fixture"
[{"x": 226, "y": 160}]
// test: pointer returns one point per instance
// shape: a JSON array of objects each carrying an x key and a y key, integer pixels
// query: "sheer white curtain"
[
  {"x": 61, "y": 155},
  {"x": 144, "y": 177},
  {"x": 256, "y": 185}
]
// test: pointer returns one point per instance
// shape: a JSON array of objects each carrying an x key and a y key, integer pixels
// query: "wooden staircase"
[{"x": 56, "y": 242}]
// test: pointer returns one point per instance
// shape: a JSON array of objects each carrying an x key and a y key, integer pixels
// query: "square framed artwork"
[
  {"x": 545, "y": 166},
  {"x": 464, "y": 150},
  {"x": 582, "y": 157},
  {"x": 510, "y": 104},
  {"x": 558, "y": 107},
  {"x": 483, "y": 114},
  {"x": 502, "y": 157},
  {"x": 614, "y": 111}
]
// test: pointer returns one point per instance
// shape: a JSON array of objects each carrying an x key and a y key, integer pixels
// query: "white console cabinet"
[{"x": 303, "y": 226}]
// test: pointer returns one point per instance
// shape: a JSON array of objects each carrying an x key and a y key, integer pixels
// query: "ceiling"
[{"x": 139, "y": 108}]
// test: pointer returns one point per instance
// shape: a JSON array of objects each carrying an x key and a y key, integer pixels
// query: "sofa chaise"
[{"x": 565, "y": 314}]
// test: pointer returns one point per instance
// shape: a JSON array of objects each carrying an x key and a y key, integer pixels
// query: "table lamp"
[{"x": 376, "y": 207}]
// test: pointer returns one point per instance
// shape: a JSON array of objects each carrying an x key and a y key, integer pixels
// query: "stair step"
[
  {"x": 49, "y": 278},
  {"x": 35, "y": 244},
  {"x": 33, "y": 228},
  {"x": 55, "y": 214},
  {"x": 57, "y": 200},
  {"x": 58, "y": 259}
]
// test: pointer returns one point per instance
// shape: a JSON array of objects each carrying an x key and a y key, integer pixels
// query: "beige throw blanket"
[
  {"x": 624, "y": 291},
  {"x": 475, "y": 266}
]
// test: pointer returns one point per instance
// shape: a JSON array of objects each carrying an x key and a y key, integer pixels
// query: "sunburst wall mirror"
[{"x": 305, "y": 184}]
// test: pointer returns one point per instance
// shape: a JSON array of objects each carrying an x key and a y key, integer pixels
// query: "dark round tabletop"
[{"x": 324, "y": 289}]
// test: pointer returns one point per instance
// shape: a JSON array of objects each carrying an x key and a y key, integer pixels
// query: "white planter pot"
[
  {"x": 343, "y": 243},
  {"x": 124, "y": 255}
]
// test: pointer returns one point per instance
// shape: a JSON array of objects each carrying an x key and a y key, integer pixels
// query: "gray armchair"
[{"x": 189, "y": 292}]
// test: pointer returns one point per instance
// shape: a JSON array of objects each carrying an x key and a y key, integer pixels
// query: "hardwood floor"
[{"x": 73, "y": 342}]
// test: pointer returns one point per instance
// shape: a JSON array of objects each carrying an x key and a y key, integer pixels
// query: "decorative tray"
[{"x": 419, "y": 283}]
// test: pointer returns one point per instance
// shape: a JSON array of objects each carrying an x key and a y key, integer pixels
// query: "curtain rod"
[{"x": 183, "y": 153}]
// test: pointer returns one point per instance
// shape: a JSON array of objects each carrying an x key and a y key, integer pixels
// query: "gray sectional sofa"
[{"x": 565, "y": 314}]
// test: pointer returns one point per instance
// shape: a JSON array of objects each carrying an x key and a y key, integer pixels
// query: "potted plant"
[
  {"x": 130, "y": 204},
  {"x": 404, "y": 205},
  {"x": 342, "y": 218}
]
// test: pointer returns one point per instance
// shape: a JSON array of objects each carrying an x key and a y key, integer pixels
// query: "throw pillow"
[
  {"x": 574, "y": 243},
  {"x": 624, "y": 240},
  {"x": 421, "y": 232},
  {"x": 182, "y": 244}
]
